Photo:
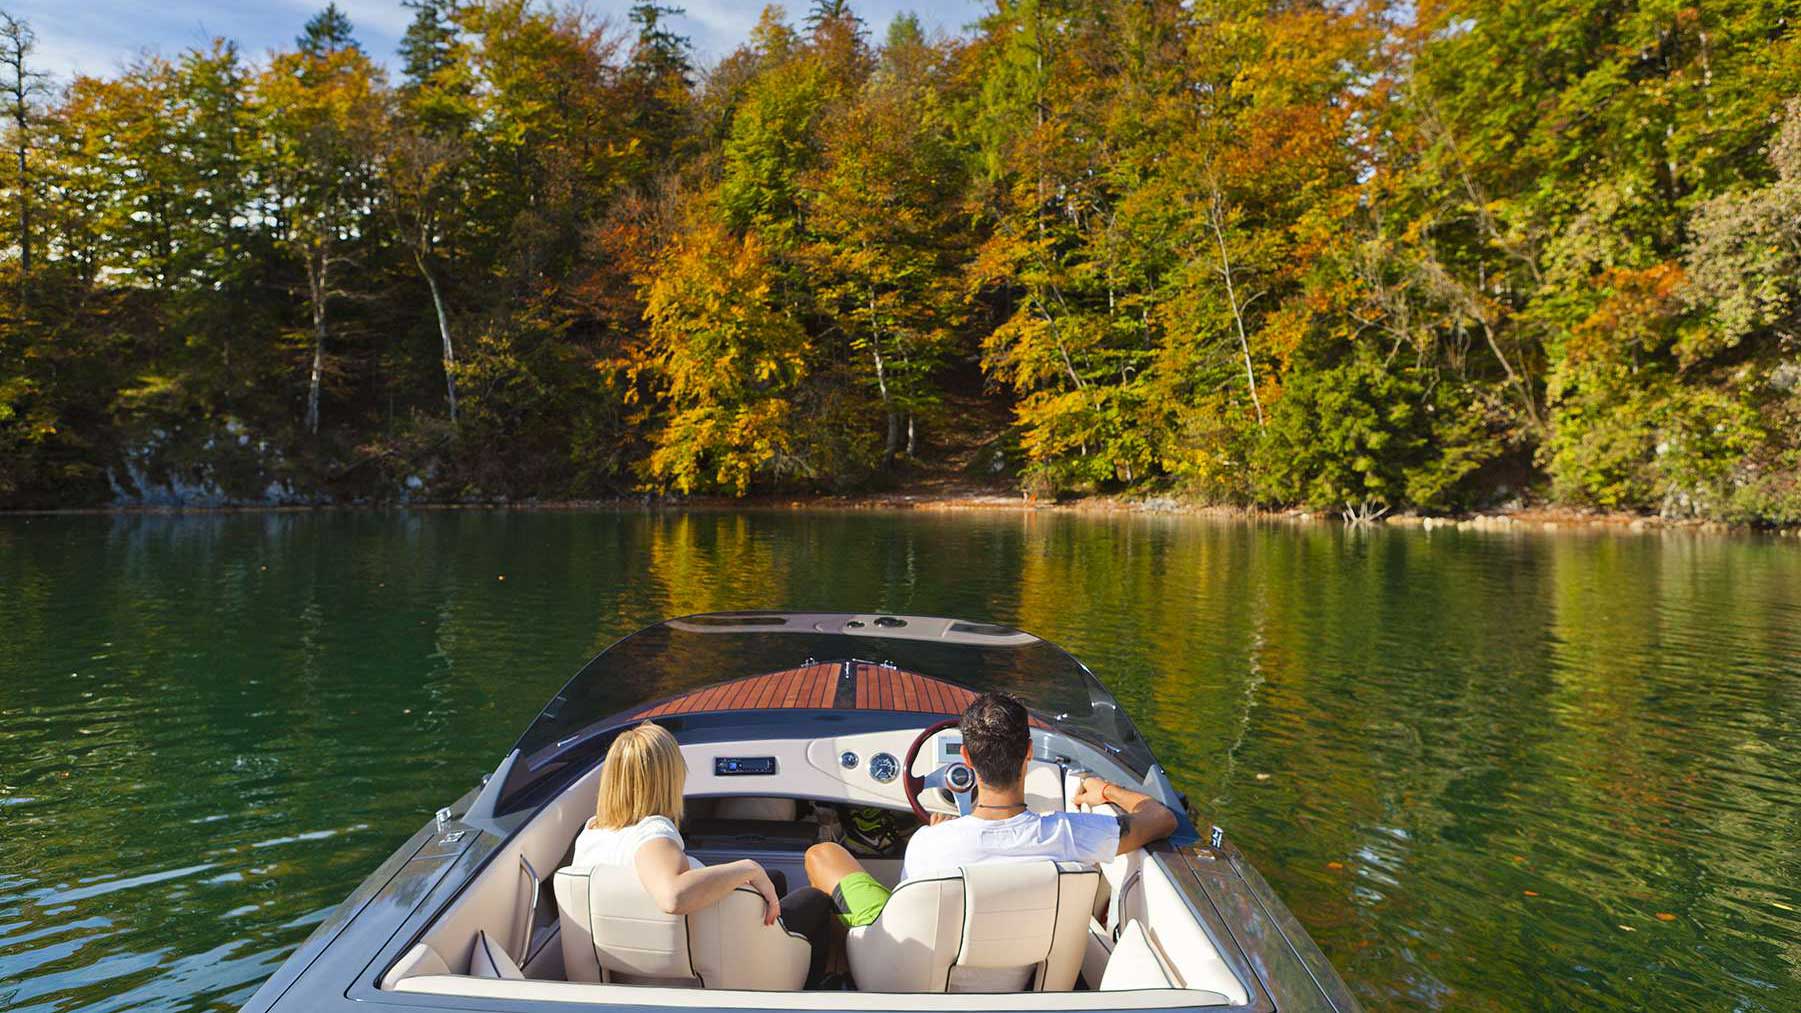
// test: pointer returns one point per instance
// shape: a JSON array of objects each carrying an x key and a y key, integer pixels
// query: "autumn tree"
[
  {"x": 883, "y": 235},
  {"x": 1359, "y": 258},
  {"x": 425, "y": 156},
  {"x": 728, "y": 361},
  {"x": 322, "y": 108}
]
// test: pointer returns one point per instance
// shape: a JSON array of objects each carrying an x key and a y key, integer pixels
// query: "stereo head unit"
[{"x": 743, "y": 766}]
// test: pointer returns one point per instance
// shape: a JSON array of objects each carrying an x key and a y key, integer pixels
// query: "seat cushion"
[
  {"x": 1135, "y": 963},
  {"x": 487, "y": 960},
  {"x": 420, "y": 961}
]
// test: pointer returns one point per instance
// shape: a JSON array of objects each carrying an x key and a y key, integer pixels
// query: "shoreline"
[{"x": 1524, "y": 518}]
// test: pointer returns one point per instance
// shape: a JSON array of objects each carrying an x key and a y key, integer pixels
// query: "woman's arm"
[
  {"x": 1143, "y": 819},
  {"x": 679, "y": 890}
]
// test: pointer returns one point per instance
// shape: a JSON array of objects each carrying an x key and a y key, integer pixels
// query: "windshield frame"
[{"x": 688, "y": 653}]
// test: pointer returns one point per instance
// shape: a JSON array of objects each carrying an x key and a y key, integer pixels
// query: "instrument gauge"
[{"x": 884, "y": 767}]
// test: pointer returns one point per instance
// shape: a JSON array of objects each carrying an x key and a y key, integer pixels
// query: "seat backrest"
[
  {"x": 613, "y": 931},
  {"x": 994, "y": 927}
]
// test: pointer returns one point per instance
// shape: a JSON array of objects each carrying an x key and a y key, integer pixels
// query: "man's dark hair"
[{"x": 997, "y": 737}]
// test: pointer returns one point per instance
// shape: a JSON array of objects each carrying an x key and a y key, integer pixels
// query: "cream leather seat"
[
  {"x": 995, "y": 927},
  {"x": 612, "y": 931}
]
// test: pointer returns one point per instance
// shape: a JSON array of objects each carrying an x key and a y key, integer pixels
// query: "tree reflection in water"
[{"x": 1486, "y": 770}]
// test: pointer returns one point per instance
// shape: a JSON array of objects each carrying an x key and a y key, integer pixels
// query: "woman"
[{"x": 635, "y": 822}]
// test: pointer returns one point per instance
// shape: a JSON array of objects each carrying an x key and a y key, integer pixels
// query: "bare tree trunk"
[
  {"x": 1214, "y": 217},
  {"x": 1526, "y": 396},
  {"x": 1469, "y": 300},
  {"x": 450, "y": 358},
  {"x": 892, "y": 445},
  {"x": 16, "y": 43},
  {"x": 1366, "y": 512},
  {"x": 315, "y": 279},
  {"x": 24, "y": 190}
]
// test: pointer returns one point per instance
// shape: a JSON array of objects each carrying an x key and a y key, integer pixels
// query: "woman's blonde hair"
[{"x": 642, "y": 776}]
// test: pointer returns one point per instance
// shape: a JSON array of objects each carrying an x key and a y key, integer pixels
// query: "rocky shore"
[{"x": 1524, "y": 518}]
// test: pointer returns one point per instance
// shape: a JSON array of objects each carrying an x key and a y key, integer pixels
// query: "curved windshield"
[{"x": 680, "y": 656}]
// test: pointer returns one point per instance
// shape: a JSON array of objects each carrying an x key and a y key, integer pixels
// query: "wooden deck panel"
[{"x": 815, "y": 686}]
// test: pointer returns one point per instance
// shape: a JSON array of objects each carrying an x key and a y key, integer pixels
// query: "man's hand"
[
  {"x": 936, "y": 818},
  {"x": 1142, "y": 819},
  {"x": 1091, "y": 792}
]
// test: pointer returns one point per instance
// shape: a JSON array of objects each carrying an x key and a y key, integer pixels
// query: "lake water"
[{"x": 1487, "y": 770}]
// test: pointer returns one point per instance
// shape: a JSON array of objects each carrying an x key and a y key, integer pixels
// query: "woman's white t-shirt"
[{"x": 619, "y": 845}]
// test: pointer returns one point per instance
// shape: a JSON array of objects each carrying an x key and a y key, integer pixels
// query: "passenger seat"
[{"x": 613, "y": 932}]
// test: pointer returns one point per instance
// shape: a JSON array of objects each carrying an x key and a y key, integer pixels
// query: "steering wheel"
[{"x": 955, "y": 777}]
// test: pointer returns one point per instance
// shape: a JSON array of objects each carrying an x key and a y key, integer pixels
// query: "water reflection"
[{"x": 1488, "y": 771}]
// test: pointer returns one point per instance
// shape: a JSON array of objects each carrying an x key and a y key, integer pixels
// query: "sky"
[{"x": 101, "y": 36}]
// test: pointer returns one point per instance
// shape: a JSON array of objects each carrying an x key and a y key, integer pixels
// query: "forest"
[{"x": 1357, "y": 257}]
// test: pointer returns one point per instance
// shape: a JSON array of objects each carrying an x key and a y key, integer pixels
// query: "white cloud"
[{"x": 716, "y": 27}]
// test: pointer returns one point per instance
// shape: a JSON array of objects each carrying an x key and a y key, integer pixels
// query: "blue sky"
[{"x": 100, "y": 36}]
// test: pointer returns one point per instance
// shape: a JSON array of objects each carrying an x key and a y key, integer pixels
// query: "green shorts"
[{"x": 859, "y": 899}]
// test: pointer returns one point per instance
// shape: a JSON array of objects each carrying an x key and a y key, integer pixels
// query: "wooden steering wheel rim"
[{"x": 910, "y": 785}]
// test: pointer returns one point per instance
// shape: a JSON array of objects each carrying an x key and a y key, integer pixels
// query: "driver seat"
[
  {"x": 994, "y": 927},
  {"x": 613, "y": 931}
]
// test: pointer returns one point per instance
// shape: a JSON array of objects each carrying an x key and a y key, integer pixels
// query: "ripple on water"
[{"x": 1482, "y": 769}]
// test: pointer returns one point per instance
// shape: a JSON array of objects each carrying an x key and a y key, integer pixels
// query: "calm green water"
[{"x": 1488, "y": 771}]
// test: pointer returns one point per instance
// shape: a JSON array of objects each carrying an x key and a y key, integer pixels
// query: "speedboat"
[{"x": 799, "y": 728}]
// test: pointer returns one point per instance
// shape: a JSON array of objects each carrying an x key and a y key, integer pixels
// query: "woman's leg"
[{"x": 810, "y": 912}]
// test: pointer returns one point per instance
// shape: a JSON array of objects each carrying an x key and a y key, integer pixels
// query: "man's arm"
[{"x": 1142, "y": 818}]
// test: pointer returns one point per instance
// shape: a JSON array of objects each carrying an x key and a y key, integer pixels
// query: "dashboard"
[{"x": 859, "y": 769}]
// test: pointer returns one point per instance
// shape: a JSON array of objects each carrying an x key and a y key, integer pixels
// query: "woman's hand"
[
  {"x": 758, "y": 880},
  {"x": 679, "y": 890}
]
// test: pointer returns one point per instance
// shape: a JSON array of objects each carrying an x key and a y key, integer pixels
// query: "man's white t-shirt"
[
  {"x": 1090, "y": 838},
  {"x": 619, "y": 845}
]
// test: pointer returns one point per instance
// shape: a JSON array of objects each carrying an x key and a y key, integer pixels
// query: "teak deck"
[{"x": 837, "y": 685}]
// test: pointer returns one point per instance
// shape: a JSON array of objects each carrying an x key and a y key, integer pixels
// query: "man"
[{"x": 997, "y": 745}]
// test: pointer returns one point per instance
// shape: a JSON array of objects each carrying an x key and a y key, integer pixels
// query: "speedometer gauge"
[{"x": 884, "y": 767}]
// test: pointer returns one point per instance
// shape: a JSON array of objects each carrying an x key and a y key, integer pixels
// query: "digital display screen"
[{"x": 949, "y": 750}]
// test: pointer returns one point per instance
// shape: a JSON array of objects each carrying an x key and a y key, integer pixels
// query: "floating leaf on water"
[
  {"x": 1531, "y": 893},
  {"x": 1262, "y": 777},
  {"x": 1335, "y": 866},
  {"x": 1665, "y": 916},
  {"x": 1627, "y": 928}
]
